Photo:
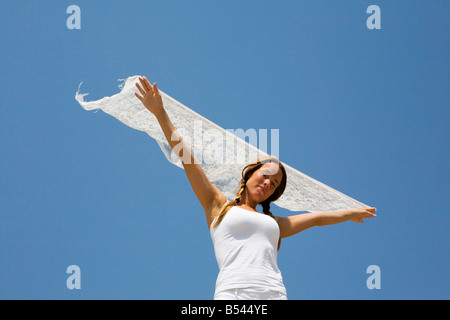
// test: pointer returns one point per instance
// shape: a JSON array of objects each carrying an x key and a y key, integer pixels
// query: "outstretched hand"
[
  {"x": 150, "y": 96},
  {"x": 360, "y": 214}
]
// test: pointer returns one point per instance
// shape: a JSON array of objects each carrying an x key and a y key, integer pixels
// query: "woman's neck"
[{"x": 247, "y": 203}]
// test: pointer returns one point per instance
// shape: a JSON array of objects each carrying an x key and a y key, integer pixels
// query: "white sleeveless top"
[{"x": 245, "y": 244}]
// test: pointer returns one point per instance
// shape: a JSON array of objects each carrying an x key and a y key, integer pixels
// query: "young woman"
[{"x": 245, "y": 241}]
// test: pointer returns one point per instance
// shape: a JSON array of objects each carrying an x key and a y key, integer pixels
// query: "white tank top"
[{"x": 245, "y": 244}]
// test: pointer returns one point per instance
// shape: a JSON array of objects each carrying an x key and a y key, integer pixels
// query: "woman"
[{"x": 245, "y": 241}]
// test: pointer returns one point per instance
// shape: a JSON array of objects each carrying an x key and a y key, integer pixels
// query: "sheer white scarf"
[{"x": 221, "y": 154}]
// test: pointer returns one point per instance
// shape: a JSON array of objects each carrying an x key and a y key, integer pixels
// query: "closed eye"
[{"x": 265, "y": 176}]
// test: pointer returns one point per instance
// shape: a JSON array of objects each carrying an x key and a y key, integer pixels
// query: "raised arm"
[
  {"x": 294, "y": 224},
  {"x": 209, "y": 196}
]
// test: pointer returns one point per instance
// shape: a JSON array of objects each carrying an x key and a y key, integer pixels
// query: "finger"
[
  {"x": 155, "y": 89},
  {"x": 148, "y": 85},
  {"x": 144, "y": 85},
  {"x": 140, "y": 89},
  {"x": 139, "y": 97},
  {"x": 370, "y": 215}
]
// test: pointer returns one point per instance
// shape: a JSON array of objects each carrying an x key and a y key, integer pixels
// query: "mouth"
[{"x": 262, "y": 190}]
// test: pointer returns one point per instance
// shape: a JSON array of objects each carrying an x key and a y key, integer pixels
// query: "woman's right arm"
[{"x": 209, "y": 196}]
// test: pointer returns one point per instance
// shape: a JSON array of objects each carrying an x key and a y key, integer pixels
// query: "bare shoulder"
[{"x": 279, "y": 219}]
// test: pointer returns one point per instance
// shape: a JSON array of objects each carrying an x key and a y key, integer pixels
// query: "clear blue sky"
[{"x": 363, "y": 111}]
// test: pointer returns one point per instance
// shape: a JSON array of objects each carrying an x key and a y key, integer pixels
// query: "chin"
[{"x": 258, "y": 198}]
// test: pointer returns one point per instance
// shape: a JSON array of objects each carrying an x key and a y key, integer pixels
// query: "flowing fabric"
[{"x": 222, "y": 154}]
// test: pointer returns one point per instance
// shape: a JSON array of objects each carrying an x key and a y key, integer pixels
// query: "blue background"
[{"x": 363, "y": 111}]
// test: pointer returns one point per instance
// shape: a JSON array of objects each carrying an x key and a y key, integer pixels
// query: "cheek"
[
  {"x": 253, "y": 183},
  {"x": 255, "y": 178}
]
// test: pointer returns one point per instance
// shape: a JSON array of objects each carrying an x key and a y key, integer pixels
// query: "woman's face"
[{"x": 264, "y": 181}]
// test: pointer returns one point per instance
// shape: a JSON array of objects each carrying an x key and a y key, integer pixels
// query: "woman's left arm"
[{"x": 294, "y": 224}]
